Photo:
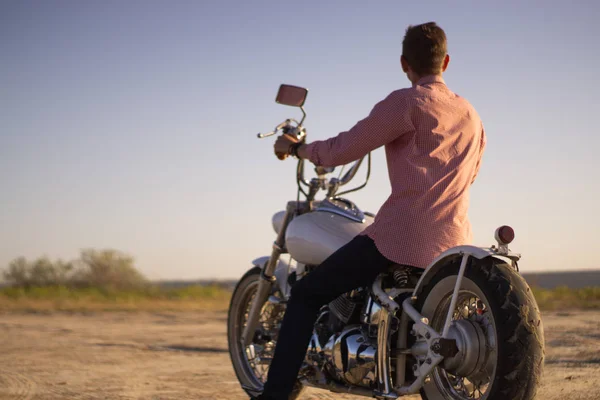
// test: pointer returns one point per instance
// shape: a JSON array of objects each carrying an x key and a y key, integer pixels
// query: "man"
[{"x": 433, "y": 141}]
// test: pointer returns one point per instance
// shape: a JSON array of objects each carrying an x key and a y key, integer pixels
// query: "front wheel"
[
  {"x": 251, "y": 362},
  {"x": 498, "y": 329}
]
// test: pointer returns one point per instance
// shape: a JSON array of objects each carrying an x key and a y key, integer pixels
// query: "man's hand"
[{"x": 282, "y": 146}]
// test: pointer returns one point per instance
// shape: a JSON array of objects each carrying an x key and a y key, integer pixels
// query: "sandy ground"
[{"x": 184, "y": 356}]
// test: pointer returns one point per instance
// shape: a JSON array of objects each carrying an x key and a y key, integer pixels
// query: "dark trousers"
[{"x": 355, "y": 265}]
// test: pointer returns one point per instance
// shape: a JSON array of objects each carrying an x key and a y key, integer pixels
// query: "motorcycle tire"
[
  {"x": 511, "y": 311},
  {"x": 239, "y": 306}
]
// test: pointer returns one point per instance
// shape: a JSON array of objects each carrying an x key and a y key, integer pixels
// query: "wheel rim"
[
  {"x": 472, "y": 310},
  {"x": 256, "y": 357}
]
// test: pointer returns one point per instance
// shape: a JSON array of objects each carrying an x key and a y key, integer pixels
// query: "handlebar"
[
  {"x": 351, "y": 172},
  {"x": 293, "y": 127}
]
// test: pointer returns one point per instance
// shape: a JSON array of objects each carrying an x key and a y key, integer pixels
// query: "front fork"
[{"x": 265, "y": 284}]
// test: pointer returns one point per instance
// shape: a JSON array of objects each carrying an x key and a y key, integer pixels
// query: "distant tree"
[
  {"x": 108, "y": 269},
  {"x": 17, "y": 273},
  {"x": 46, "y": 273},
  {"x": 41, "y": 272}
]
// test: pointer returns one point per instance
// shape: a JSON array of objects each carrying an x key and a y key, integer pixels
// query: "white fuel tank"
[{"x": 312, "y": 237}]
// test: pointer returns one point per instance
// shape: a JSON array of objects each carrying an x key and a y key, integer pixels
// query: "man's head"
[{"x": 424, "y": 51}]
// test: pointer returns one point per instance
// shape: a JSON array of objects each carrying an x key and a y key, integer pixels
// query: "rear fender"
[
  {"x": 281, "y": 273},
  {"x": 454, "y": 255}
]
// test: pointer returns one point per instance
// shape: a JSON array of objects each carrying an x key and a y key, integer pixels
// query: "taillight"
[{"x": 505, "y": 234}]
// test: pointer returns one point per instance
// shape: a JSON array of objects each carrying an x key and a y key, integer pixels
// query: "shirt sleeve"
[
  {"x": 482, "y": 144},
  {"x": 389, "y": 119}
]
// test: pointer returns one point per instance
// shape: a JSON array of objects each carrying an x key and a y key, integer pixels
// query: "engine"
[
  {"x": 344, "y": 343},
  {"x": 350, "y": 357}
]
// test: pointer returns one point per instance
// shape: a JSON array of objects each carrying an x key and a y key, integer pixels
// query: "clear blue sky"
[{"x": 131, "y": 124}]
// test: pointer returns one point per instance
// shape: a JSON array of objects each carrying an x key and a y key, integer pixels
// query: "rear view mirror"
[{"x": 291, "y": 95}]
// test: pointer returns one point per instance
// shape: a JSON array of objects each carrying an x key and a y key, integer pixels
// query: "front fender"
[
  {"x": 454, "y": 254},
  {"x": 260, "y": 262},
  {"x": 281, "y": 273}
]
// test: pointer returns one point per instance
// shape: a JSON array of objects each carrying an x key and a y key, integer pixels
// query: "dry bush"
[
  {"x": 41, "y": 272},
  {"x": 103, "y": 269},
  {"x": 108, "y": 269}
]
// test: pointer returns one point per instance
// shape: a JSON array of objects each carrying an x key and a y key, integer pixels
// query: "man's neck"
[{"x": 414, "y": 78}]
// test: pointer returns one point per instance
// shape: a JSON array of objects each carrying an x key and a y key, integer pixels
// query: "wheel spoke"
[
  {"x": 472, "y": 308},
  {"x": 259, "y": 354}
]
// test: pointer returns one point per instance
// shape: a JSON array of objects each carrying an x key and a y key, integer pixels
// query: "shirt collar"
[{"x": 429, "y": 79}]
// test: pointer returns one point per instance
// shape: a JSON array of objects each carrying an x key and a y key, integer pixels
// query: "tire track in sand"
[{"x": 14, "y": 385}]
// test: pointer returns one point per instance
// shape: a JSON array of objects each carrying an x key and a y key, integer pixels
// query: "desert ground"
[{"x": 183, "y": 355}]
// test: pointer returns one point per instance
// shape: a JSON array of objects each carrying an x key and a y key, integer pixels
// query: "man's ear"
[
  {"x": 445, "y": 63},
  {"x": 404, "y": 64}
]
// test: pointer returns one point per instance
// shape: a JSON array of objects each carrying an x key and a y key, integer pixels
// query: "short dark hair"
[{"x": 424, "y": 47}]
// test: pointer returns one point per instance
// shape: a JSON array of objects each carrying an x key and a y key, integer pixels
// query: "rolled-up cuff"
[{"x": 312, "y": 150}]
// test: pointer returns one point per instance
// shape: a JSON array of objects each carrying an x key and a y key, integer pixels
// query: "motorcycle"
[{"x": 466, "y": 327}]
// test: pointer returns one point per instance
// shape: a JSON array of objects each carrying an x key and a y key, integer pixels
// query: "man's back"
[
  {"x": 431, "y": 167},
  {"x": 433, "y": 140}
]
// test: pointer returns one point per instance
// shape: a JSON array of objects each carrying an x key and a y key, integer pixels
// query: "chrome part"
[
  {"x": 266, "y": 283},
  {"x": 384, "y": 298},
  {"x": 366, "y": 179},
  {"x": 373, "y": 314},
  {"x": 264, "y": 288},
  {"x": 264, "y": 135},
  {"x": 260, "y": 352},
  {"x": 332, "y": 187},
  {"x": 281, "y": 273},
  {"x": 300, "y": 173},
  {"x": 351, "y": 356},
  {"x": 282, "y": 125},
  {"x": 471, "y": 343},
  {"x": 255, "y": 358},
  {"x": 351, "y": 172},
  {"x": 385, "y": 316},
  {"x": 361, "y": 361},
  {"x": 461, "y": 273},
  {"x": 383, "y": 347},
  {"x": 470, "y": 372},
  {"x": 303, "y": 116},
  {"x": 345, "y": 208},
  {"x": 315, "y": 345}
]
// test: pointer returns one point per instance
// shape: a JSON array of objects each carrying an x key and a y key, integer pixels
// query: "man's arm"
[{"x": 388, "y": 120}]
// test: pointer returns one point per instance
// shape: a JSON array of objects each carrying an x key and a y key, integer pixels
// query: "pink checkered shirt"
[{"x": 433, "y": 142}]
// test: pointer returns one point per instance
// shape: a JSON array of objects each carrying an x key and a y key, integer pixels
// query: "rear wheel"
[
  {"x": 251, "y": 362},
  {"x": 498, "y": 329}
]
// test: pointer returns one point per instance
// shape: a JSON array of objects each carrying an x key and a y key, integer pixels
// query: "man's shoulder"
[
  {"x": 466, "y": 105},
  {"x": 404, "y": 92},
  {"x": 399, "y": 95}
]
